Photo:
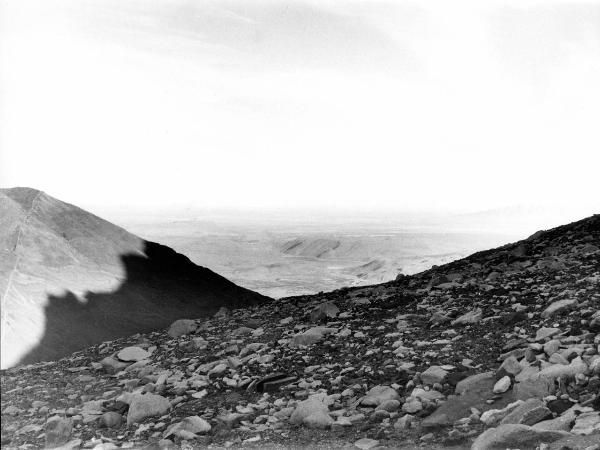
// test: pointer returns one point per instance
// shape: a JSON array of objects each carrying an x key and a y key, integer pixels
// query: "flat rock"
[
  {"x": 366, "y": 443},
  {"x": 113, "y": 365},
  {"x": 492, "y": 417},
  {"x": 468, "y": 318},
  {"x": 529, "y": 412},
  {"x": 515, "y": 436},
  {"x": 545, "y": 333},
  {"x": 133, "y": 354},
  {"x": 554, "y": 371},
  {"x": 564, "y": 422},
  {"x": 587, "y": 423},
  {"x": 473, "y": 382},
  {"x": 310, "y": 336},
  {"x": 534, "y": 387},
  {"x": 558, "y": 307}
]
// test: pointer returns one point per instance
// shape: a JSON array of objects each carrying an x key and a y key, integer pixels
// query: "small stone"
[
  {"x": 378, "y": 395},
  {"x": 502, "y": 385},
  {"x": 434, "y": 374},
  {"x": 510, "y": 366},
  {"x": 389, "y": 405},
  {"x": 412, "y": 406},
  {"x": 307, "y": 408},
  {"x": 111, "y": 419},
  {"x": 181, "y": 327},
  {"x": 113, "y": 365},
  {"x": 320, "y": 420},
  {"x": 146, "y": 405},
  {"x": 551, "y": 347},
  {"x": 188, "y": 427},
  {"x": 544, "y": 333},
  {"x": 324, "y": 311},
  {"x": 404, "y": 422}
]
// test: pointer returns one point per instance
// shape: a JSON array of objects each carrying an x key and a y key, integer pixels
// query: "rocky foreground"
[{"x": 498, "y": 350}]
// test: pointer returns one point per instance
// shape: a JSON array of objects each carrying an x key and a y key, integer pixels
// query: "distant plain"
[{"x": 295, "y": 254}]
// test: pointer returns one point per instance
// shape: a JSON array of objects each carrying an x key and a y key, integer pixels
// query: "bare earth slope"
[
  {"x": 498, "y": 350},
  {"x": 69, "y": 279}
]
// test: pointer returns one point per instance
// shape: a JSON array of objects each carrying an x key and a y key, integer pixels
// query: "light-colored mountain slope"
[{"x": 54, "y": 254}]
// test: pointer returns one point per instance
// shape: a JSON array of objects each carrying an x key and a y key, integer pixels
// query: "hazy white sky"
[{"x": 228, "y": 103}]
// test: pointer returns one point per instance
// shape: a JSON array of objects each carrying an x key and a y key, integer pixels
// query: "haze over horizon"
[{"x": 356, "y": 105}]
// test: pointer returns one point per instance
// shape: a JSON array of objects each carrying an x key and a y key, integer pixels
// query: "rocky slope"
[
  {"x": 497, "y": 350},
  {"x": 69, "y": 279}
]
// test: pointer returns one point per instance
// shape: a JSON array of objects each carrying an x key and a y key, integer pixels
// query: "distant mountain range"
[{"x": 69, "y": 279}]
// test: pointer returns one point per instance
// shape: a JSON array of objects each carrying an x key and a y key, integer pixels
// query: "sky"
[{"x": 403, "y": 105}]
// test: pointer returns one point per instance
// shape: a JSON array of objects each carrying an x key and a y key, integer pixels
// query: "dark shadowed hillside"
[{"x": 70, "y": 279}]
